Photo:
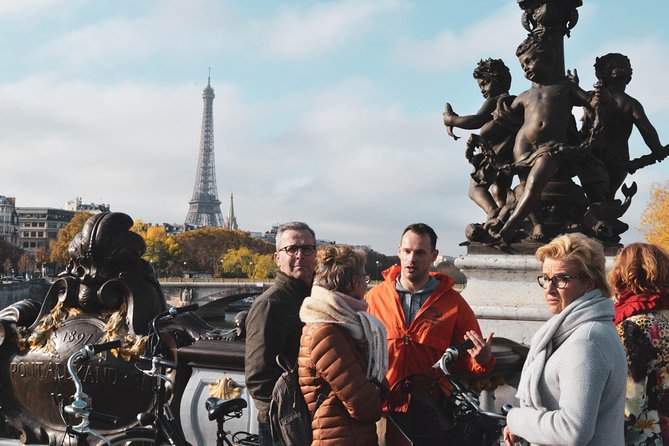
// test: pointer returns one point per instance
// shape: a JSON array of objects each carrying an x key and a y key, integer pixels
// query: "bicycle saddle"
[{"x": 217, "y": 407}]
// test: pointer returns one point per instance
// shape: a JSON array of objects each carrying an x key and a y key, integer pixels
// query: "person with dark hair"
[
  {"x": 423, "y": 316},
  {"x": 343, "y": 355},
  {"x": 273, "y": 326},
  {"x": 639, "y": 280},
  {"x": 572, "y": 387}
]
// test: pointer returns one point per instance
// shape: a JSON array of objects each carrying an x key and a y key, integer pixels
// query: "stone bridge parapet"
[{"x": 203, "y": 291}]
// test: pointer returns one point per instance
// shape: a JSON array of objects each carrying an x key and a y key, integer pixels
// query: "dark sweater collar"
[{"x": 296, "y": 287}]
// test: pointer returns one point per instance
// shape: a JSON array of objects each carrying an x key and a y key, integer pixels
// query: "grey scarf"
[{"x": 592, "y": 306}]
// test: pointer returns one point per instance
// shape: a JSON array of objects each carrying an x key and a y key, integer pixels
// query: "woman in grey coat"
[{"x": 572, "y": 388}]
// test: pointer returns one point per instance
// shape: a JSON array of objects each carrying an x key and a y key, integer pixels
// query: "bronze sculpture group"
[
  {"x": 533, "y": 136},
  {"x": 107, "y": 292}
]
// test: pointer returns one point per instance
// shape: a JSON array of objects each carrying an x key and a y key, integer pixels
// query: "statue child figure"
[
  {"x": 614, "y": 71},
  {"x": 543, "y": 136},
  {"x": 494, "y": 80}
]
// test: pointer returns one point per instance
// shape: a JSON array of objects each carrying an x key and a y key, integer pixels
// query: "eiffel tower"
[{"x": 205, "y": 207}]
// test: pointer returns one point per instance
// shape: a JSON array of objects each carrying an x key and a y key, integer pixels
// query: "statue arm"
[
  {"x": 475, "y": 121},
  {"x": 646, "y": 129}
]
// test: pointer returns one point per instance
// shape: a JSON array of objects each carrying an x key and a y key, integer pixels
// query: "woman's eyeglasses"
[{"x": 558, "y": 280}]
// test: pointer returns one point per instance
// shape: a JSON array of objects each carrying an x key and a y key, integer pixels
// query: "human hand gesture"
[
  {"x": 482, "y": 350},
  {"x": 509, "y": 438},
  {"x": 573, "y": 76}
]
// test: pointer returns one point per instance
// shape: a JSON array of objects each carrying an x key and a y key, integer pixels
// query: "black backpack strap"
[{"x": 283, "y": 362}]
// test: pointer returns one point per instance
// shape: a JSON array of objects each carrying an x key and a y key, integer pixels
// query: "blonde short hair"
[
  {"x": 583, "y": 253},
  {"x": 337, "y": 266}
]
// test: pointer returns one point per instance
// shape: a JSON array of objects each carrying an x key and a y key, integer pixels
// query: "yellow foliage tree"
[
  {"x": 239, "y": 262},
  {"x": 655, "y": 218},
  {"x": 162, "y": 250},
  {"x": 264, "y": 266},
  {"x": 139, "y": 227},
  {"x": 59, "y": 246}
]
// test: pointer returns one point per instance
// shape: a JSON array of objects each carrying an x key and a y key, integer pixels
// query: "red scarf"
[{"x": 629, "y": 304}]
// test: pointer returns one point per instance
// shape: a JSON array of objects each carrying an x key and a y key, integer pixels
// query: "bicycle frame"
[
  {"x": 166, "y": 428},
  {"x": 223, "y": 410},
  {"x": 80, "y": 408}
]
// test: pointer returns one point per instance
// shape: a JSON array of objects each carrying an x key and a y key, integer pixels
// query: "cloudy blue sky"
[{"x": 327, "y": 112}]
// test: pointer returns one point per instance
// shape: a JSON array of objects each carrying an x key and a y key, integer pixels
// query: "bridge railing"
[{"x": 211, "y": 280}]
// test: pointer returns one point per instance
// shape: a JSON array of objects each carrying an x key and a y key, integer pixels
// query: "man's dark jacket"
[{"x": 273, "y": 326}]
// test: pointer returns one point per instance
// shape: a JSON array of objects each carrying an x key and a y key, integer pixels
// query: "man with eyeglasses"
[
  {"x": 273, "y": 325},
  {"x": 423, "y": 316}
]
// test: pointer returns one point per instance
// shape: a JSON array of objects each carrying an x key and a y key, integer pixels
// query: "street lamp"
[{"x": 378, "y": 266}]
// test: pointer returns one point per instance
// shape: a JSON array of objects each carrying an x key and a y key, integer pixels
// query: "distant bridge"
[{"x": 203, "y": 291}]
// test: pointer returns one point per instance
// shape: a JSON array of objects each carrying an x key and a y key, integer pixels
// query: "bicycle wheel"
[{"x": 133, "y": 437}]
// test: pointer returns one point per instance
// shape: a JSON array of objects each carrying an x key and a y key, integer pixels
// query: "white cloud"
[
  {"x": 298, "y": 34},
  {"x": 102, "y": 45},
  {"x": 495, "y": 36},
  {"x": 27, "y": 8}
]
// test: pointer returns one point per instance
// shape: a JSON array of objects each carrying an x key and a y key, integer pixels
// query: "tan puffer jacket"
[{"x": 329, "y": 361}]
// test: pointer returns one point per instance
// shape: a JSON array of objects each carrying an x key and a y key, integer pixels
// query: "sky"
[{"x": 328, "y": 112}]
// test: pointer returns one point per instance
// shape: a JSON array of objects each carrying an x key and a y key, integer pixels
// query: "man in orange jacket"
[{"x": 424, "y": 316}]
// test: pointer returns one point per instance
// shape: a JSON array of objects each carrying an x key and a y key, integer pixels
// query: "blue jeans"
[{"x": 265, "y": 434}]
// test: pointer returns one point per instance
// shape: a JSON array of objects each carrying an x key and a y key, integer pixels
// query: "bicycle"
[
  {"x": 475, "y": 426},
  {"x": 81, "y": 408},
  {"x": 446, "y": 411},
  {"x": 159, "y": 425},
  {"x": 223, "y": 410}
]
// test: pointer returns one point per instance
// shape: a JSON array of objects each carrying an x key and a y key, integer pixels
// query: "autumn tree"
[
  {"x": 655, "y": 218},
  {"x": 58, "y": 247},
  {"x": 161, "y": 251},
  {"x": 239, "y": 263},
  {"x": 10, "y": 255},
  {"x": 41, "y": 255},
  {"x": 7, "y": 266},
  {"x": 139, "y": 227},
  {"x": 264, "y": 266},
  {"x": 26, "y": 263},
  {"x": 243, "y": 262},
  {"x": 202, "y": 249}
]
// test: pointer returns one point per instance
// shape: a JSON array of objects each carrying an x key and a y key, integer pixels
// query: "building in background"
[
  {"x": 9, "y": 220},
  {"x": 231, "y": 220},
  {"x": 77, "y": 206},
  {"x": 37, "y": 226},
  {"x": 205, "y": 207}
]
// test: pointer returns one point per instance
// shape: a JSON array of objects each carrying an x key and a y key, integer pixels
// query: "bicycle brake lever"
[
  {"x": 98, "y": 436},
  {"x": 165, "y": 378}
]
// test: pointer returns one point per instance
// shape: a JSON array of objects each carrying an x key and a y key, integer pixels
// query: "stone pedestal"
[
  {"x": 502, "y": 290},
  {"x": 504, "y": 294}
]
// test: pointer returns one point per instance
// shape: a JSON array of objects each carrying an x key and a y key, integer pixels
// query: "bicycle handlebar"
[
  {"x": 159, "y": 361},
  {"x": 103, "y": 417},
  {"x": 451, "y": 355},
  {"x": 80, "y": 406},
  {"x": 98, "y": 348},
  {"x": 86, "y": 352},
  {"x": 175, "y": 311}
]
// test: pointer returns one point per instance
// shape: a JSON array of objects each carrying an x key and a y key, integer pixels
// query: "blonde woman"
[
  {"x": 572, "y": 387},
  {"x": 343, "y": 354}
]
